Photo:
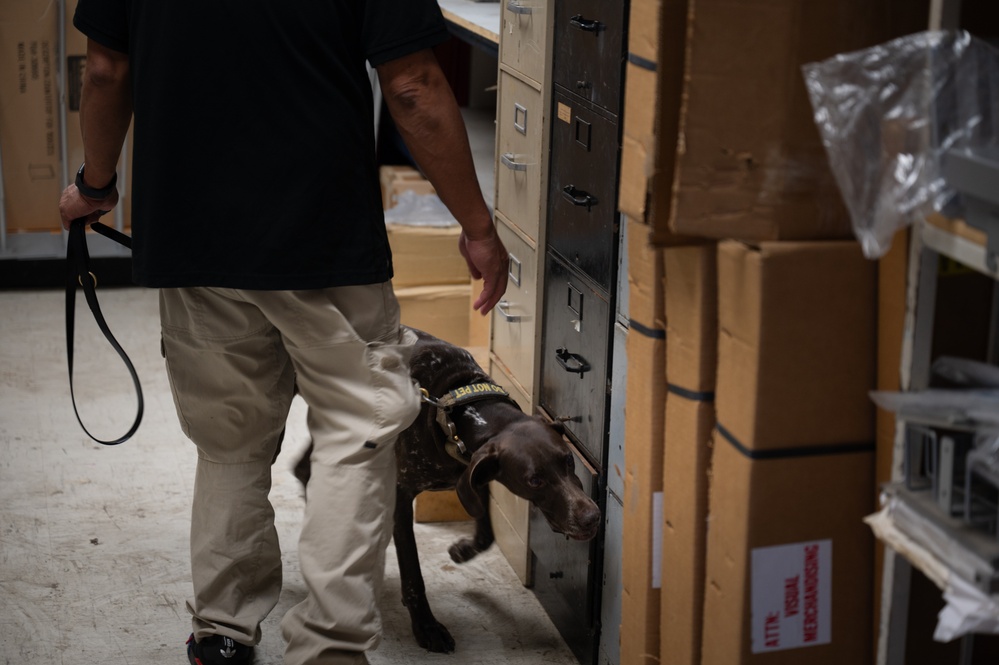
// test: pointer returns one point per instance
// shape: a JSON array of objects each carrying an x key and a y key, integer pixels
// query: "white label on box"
[
  {"x": 657, "y": 540},
  {"x": 791, "y": 596}
]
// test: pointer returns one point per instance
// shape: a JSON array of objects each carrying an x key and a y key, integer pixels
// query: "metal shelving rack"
[
  {"x": 967, "y": 553},
  {"x": 931, "y": 539}
]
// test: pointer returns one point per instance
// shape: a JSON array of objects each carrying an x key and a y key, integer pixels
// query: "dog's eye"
[
  {"x": 570, "y": 463},
  {"x": 535, "y": 482}
]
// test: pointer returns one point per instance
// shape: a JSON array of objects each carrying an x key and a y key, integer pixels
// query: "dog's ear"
[{"x": 483, "y": 468}]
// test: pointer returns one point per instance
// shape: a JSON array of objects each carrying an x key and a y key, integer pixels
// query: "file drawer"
[
  {"x": 575, "y": 355},
  {"x": 510, "y": 513},
  {"x": 567, "y": 575},
  {"x": 589, "y": 50},
  {"x": 514, "y": 320},
  {"x": 524, "y": 40},
  {"x": 518, "y": 168},
  {"x": 582, "y": 194}
]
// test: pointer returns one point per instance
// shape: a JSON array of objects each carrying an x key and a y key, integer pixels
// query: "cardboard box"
[
  {"x": 653, "y": 85},
  {"x": 751, "y": 164},
  {"x": 796, "y": 345},
  {"x": 441, "y": 310},
  {"x": 439, "y": 506},
  {"x": 425, "y": 255},
  {"x": 646, "y": 279},
  {"x": 29, "y": 115},
  {"x": 640, "y": 92},
  {"x": 789, "y": 570},
  {"x": 644, "y": 414},
  {"x": 637, "y": 141},
  {"x": 398, "y": 179},
  {"x": 691, "y": 356},
  {"x": 789, "y": 561}
]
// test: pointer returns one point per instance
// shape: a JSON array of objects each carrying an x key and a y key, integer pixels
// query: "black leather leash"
[{"x": 78, "y": 260}]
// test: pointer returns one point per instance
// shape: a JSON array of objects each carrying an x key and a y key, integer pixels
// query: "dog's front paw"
[
  {"x": 463, "y": 550},
  {"x": 433, "y": 636}
]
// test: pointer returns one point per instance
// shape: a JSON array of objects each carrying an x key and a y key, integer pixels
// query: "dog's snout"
[
  {"x": 584, "y": 521},
  {"x": 590, "y": 519}
]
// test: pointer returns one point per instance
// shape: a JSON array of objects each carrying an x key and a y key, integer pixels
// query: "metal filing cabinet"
[
  {"x": 521, "y": 168},
  {"x": 579, "y": 289}
]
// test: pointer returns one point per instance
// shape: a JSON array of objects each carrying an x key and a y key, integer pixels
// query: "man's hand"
[
  {"x": 74, "y": 205},
  {"x": 487, "y": 260}
]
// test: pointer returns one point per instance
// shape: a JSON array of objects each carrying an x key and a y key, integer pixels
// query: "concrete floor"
[{"x": 93, "y": 539}]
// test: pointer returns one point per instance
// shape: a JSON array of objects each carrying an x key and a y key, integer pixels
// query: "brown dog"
[{"x": 526, "y": 454}]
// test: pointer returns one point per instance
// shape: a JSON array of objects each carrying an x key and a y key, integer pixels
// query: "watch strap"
[{"x": 93, "y": 192}]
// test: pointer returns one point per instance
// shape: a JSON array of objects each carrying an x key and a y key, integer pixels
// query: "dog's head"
[{"x": 532, "y": 460}]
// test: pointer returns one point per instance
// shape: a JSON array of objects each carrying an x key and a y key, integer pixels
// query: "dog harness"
[{"x": 474, "y": 392}]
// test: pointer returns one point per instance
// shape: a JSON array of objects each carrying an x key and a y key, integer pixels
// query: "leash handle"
[
  {"x": 78, "y": 263},
  {"x": 111, "y": 234}
]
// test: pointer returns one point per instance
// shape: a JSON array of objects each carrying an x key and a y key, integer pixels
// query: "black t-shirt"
[{"x": 254, "y": 159}]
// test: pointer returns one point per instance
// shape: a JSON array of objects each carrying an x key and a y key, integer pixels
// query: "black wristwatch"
[{"x": 92, "y": 193}]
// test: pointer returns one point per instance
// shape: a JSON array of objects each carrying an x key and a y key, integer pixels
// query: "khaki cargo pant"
[{"x": 233, "y": 358}]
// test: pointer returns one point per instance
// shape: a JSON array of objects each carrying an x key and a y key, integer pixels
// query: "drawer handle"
[
  {"x": 507, "y": 159},
  {"x": 517, "y": 8},
  {"x": 585, "y": 25},
  {"x": 520, "y": 118},
  {"x": 578, "y": 197},
  {"x": 503, "y": 307},
  {"x": 579, "y": 366}
]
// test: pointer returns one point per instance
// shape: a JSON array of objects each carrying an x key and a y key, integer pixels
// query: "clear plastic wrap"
[
  {"x": 889, "y": 114},
  {"x": 419, "y": 210}
]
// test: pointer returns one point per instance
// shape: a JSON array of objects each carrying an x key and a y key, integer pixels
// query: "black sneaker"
[{"x": 218, "y": 650}]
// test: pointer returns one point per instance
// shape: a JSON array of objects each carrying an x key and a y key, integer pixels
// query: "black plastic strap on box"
[
  {"x": 692, "y": 395},
  {"x": 801, "y": 451},
  {"x": 645, "y": 331},
  {"x": 639, "y": 61}
]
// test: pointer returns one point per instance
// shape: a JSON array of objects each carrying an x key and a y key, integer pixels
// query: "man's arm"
[
  {"x": 105, "y": 113},
  {"x": 424, "y": 109}
]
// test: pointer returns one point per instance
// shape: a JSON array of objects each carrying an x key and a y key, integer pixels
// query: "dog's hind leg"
[
  {"x": 429, "y": 633},
  {"x": 466, "y": 549}
]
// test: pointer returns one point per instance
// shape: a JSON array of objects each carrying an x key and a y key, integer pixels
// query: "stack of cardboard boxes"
[
  {"x": 34, "y": 166},
  {"x": 431, "y": 278},
  {"x": 29, "y": 114},
  {"x": 750, "y": 439}
]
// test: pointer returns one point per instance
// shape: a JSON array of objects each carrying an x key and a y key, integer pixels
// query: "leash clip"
[{"x": 454, "y": 446}]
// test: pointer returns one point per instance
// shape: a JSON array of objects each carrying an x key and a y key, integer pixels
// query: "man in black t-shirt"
[{"x": 257, "y": 213}]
